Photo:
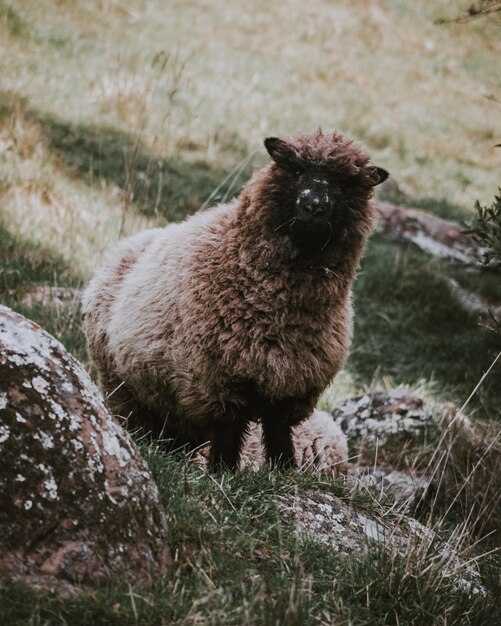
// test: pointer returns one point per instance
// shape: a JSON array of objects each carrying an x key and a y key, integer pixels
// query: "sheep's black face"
[
  {"x": 317, "y": 203},
  {"x": 314, "y": 200},
  {"x": 313, "y": 208}
]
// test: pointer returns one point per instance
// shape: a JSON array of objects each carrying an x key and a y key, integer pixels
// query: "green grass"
[
  {"x": 24, "y": 266},
  {"x": 238, "y": 562},
  {"x": 409, "y": 327},
  {"x": 11, "y": 20},
  {"x": 171, "y": 187}
]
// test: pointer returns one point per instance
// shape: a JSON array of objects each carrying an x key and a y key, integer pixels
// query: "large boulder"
[{"x": 77, "y": 501}]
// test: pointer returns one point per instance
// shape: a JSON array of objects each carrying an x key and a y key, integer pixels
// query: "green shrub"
[{"x": 486, "y": 230}]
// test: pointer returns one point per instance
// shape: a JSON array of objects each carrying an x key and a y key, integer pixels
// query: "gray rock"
[
  {"x": 473, "y": 303},
  {"x": 77, "y": 501},
  {"x": 406, "y": 488},
  {"x": 326, "y": 519},
  {"x": 384, "y": 424},
  {"x": 434, "y": 235}
]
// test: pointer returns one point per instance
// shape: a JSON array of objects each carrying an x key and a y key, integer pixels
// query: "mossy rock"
[{"x": 77, "y": 501}]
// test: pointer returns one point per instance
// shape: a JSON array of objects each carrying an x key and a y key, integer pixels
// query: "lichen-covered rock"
[
  {"x": 407, "y": 488},
  {"x": 434, "y": 235},
  {"x": 325, "y": 518},
  {"x": 77, "y": 502},
  {"x": 320, "y": 446},
  {"x": 384, "y": 425}
]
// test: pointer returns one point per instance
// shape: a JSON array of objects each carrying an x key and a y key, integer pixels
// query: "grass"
[
  {"x": 24, "y": 266},
  {"x": 23, "y": 263},
  {"x": 11, "y": 20},
  {"x": 120, "y": 116},
  {"x": 409, "y": 327},
  {"x": 169, "y": 187},
  {"x": 237, "y": 562},
  {"x": 467, "y": 462},
  {"x": 405, "y": 98}
]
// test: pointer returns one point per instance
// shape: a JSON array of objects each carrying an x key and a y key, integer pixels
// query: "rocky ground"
[{"x": 79, "y": 503}]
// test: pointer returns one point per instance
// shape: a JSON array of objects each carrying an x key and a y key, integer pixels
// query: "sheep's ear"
[
  {"x": 375, "y": 175},
  {"x": 382, "y": 175},
  {"x": 280, "y": 151}
]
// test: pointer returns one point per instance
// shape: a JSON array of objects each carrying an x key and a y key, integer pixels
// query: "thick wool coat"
[{"x": 195, "y": 322}]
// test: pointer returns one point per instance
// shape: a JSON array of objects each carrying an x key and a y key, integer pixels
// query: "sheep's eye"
[{"x": 296, "y": 173}]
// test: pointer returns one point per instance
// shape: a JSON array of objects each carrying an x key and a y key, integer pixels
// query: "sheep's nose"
[{"x": 310, "y": 204}]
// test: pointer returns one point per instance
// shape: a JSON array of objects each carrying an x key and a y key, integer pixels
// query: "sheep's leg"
[
  {"x": 226, "y": 444},
  {"x": 278, "y": 418},
  {"x": 277, "y": 437}
]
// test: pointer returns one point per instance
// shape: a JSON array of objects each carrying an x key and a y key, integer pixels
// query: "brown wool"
[{"x": 201, "y": 326}]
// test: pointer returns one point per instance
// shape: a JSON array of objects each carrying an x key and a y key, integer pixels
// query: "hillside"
[{"x": 120, "y": 115}]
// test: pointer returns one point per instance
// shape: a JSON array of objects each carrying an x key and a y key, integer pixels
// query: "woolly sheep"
[
  {"x": 241, "y": 312},
  {"x": 320, "y": 446}
]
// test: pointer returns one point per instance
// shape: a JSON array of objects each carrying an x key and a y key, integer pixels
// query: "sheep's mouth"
[
  {"x": 312, "y": 235},
  {"x": 312, "y": 224}
]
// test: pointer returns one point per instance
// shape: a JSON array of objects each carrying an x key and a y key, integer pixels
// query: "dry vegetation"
[{"x": 206, "y": 81}]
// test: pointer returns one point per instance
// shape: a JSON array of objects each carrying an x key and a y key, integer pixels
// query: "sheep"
[
  {"x": 242, "y": 312},
  {"x": 320, "y": 446}
]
